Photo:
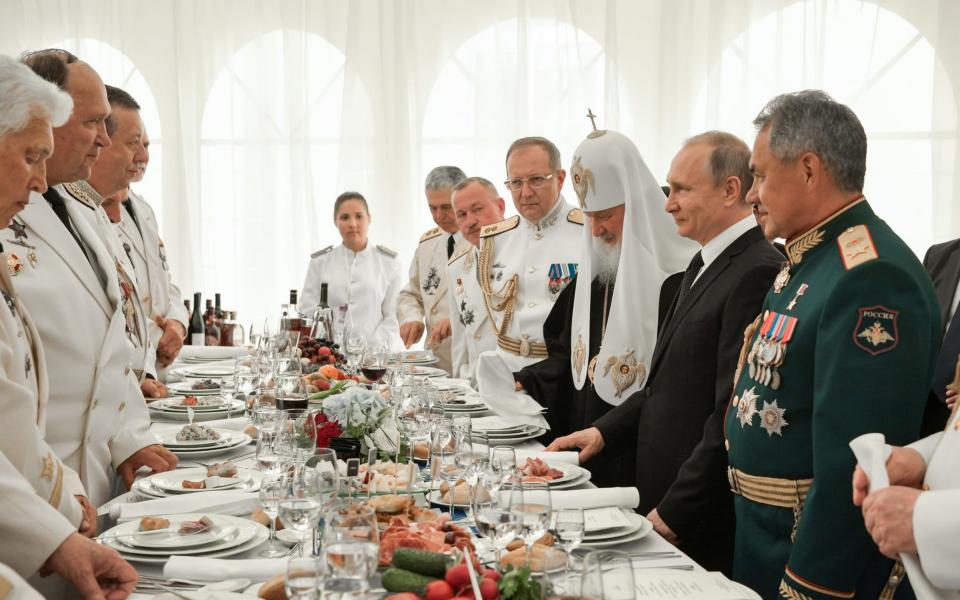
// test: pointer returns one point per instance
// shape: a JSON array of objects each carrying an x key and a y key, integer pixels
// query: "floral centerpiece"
[{"x": 359, "y": 413}]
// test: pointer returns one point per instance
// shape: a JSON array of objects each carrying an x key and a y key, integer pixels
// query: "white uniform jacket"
[
  {"x": 936, "y": 520},
  {"x": 523, "y": 268},
  {"x": 97, "y": 415},
  {"x": 362, "y": 284},
  {"x": 29, "y": 527},
  {"x": 158, "y": 295},
  {"x": 472, "y": 331},
  {"x": 23, "y": 400},
  {"x": 145, "y": 354},
  {"x": 14, "y": 587},
  {"x": 425, "y": 296}
]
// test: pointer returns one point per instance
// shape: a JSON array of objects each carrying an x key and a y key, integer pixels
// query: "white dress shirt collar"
[{"x": 715, "y": 247}]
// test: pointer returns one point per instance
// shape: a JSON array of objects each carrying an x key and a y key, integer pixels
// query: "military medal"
[
  {"x": 579, "y": 355},
  {"x": 770, "y": 348},
  {"x": 459, "y": 286},
  {"x": 623, "y": 370},
  {"x": 800, "y": 291},
  {"x": 746, "y": 407},
  {"x": 783, "y": 278},
  {"x": 771, "y": 418},
  {"x": 14, "y": 264}
]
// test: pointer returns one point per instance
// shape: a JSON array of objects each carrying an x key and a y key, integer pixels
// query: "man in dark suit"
[
  {"x": 675, "y": 421},
  {"x": 942, "y": 262}
]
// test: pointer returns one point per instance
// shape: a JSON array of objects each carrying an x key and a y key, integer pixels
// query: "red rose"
[{"x": 326, "y": 429}]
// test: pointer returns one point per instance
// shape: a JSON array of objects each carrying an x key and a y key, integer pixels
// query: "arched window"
[
  {"x": 516, "y": 78},
  {"x": 116, "y": 69},
  {"x": 274, "y": 155},
  {"x": 868, "y": 58}
]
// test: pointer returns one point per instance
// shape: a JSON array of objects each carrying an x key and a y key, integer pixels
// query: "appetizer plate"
[
  {"x": 169, "y": 439},
  {"x": 242, "y": 440},
  {"x": 639, "y": 528},
  {"x": 426, "y": 371},
  {"x": 570, "y": 473},
  {"x": 436, "y": 498},
  {"x": 145, "y": 487},
  {"x": 418, "y": 357},
  {"x": 206, "y": 371},
  {"x": 186, "y": 388},
  {"x": 260, "y": 535},
  {"x": 577, "y": 481},
  {"x": 228, "y": 532},
  {"x": 176, "y": 405},
  {"x": 172, "y": 481}
]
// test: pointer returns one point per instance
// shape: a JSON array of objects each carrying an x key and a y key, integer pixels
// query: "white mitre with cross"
[{"x": 608, "y": 171}]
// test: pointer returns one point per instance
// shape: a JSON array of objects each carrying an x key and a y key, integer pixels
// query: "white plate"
[
  {"x": 175, "y": 404},
  {"x": 145, "y": 487},
  {"x": 199, "y": 415},
  {"x": 186, "y": 387},
  {"x": 171, "y": 481},
  {"x": 261, "y": 535},
  {"x": 231, "y": 531},
  {"x": 435, "y": 497},
  {"x": 570, "y": 472},
  {"x": 189, "y": 454},
  {"x": 426, "y": 371},
  {"x": 505, "y": 441},
  {"x": 584, "y": 478},
  {"x": 208, "y": 371},
  {"x": 169, "y": 439},
  {"x": 643, "y": 528}
]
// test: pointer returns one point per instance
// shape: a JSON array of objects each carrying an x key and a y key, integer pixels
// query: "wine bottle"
[
  {"x": 216, "y": 307},
  {"x": 323, "y": 296},
  {"x": 211, "y": 328},
  {"x": 195, "y": 334}
]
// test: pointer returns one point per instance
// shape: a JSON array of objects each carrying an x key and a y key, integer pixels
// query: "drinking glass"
[
  {"x": 373, "y": 362},
  {"x": 408, "y": 414},
  {"x": 493, "y": 517},
  {"x": 569, "y": 530},
  {"x": 607, "y": 575},
  {"x": 504, "y": 458},
  {"x": 346, "y": 522},
  {"x": 269, "y": 496},
  {"x": 245, "y": 383},
  {"x": 347, "y": 569},
  {"x": 300, "y": 503},
  {"x": 300, "y": 422},
  {"x": 269, "y": 458},
  {"x": 353, "y": 345},
  {"x": 302, "y": 577},
  {"x": 266, "y": 417},
  {"x": 325, "y": 467},
  {"x": 530, "y": 501}
]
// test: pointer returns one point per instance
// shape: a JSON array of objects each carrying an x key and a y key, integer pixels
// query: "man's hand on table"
[
  {"x": 96, "y": 571},
  {"x": 441, "y": 331},
  {"x": 410, "y": 332},
  {"x": 88, "y": 524},
  {"x": 589, "y": 441},
  {"x": 662, "y": 528},
  {"x": 171, "y": 341},
  {"x": 151, "y": 388},
  {"x": 155, "y": 456}
]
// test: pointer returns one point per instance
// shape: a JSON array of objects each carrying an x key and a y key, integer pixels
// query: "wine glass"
[
  {"x": 607, "y": 574},
  {"x": 301, "y": 427},
  {"x": 269, "y": 458},
  {"x": 300, "y": 503},
  {"x": 325, "y": 467},
  {"x": 354, "y": 344},
  {"x": 269, "y": 496},
  {"x": 245, "y": 383},
  {"x": 569, "y": 530},
  {"x": 492, "y": 514},
  {"x": 302, "y": 577},
  {"x": 408, "y": 416},
  {"x": 373, "y": 362},
  {"x": 346, "y": 522},
  {"x": 266, "y": 417},
  {"x": 530, "y": 501},
  {"x": 446, "y": 462}
]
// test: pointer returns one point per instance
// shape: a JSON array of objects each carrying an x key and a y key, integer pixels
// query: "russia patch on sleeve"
[{"x": 876, "y": 331}]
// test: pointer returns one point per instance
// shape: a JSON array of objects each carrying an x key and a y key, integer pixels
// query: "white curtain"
[{"x": 262, "y": 112}]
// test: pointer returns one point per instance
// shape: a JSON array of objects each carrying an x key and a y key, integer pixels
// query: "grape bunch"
[{"x": 318, "y": 352}]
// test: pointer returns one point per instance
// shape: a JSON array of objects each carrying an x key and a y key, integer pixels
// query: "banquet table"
[{"x": 244, "y": 457}]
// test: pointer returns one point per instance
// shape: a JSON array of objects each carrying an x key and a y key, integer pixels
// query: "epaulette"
[
  {"x": 321, "y": 252},
  {"x": 387, "y": 251},
  {"x": 856, "y": 246},
  {"x": 460, "y": 254},
  {"x": 575, "y": 216},
  {"x": 500, "y": 227},
  {"x": 83, "y": 194},
  {"x": 430, "y": 234}
]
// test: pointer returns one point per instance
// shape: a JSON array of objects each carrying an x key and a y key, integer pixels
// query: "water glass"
[
  {"x": 607, "y": 575},
  {"x": 347, "y": 570},
  {"x": 504, "y": 458},
  {"x": 269, "y": 459},
  {"x": 530, "y": 501},
  {"x": 346, "y": 522},
  {"x": 303, "y": 578},
  {"x": 300, "y": 504},
  {"x": 269, "y": 496}
]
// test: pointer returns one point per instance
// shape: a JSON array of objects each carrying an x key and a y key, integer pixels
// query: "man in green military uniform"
[{"x": 844, "y": 345}]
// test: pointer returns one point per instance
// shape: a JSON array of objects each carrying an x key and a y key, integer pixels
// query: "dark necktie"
[
  {"x": 60, "y": 208},
  {"x": 696, "y": 263},
  {"x": 450, "y": 243},
  {"x": 947, "y": 362}
]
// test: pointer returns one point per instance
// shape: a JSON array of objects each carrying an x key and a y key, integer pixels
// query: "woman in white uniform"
[{"x": 363, "y": 280}]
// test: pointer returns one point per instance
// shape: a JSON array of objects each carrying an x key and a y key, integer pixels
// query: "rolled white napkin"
[
  {"x": 497, "y": 389},
  {"x": 572, "y": 458},
  {"x": 212, "y": 352},
  {"x": 225, "y": 502},
  {"x": 218, "y": 569},
  {"x": 872, "y": 452},
  {"x": 622, "y": 497}
]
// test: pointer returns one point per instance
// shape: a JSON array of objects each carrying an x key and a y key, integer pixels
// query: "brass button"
[
  {"x": 433, "y": 311},
  {"x": 126, "y": 370},
  {"x": 531, "y": 305},
  {"x": 123, "y": 405},
  {"x": 533, "y": 269}
]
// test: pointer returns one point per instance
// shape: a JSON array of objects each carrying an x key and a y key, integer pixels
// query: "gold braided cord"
[
  {"x": 897, "y": 573},
  {"x": 508, "y": 291}
]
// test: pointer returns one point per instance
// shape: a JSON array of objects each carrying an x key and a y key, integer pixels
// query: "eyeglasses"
[{"x": 536, "y": 181}]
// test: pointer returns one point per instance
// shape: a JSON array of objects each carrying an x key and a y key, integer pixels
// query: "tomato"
[
  {"x": 489, "y": 589},
  {"x": 439, "y": 590},
  {"x": 458, "y": 576}
]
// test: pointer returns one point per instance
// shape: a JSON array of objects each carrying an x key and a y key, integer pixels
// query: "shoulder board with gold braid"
[
  {"x": 321, "y": 252},
  {"x": 856, "y": 246},
  {"x": 430, "y": 234},
  {"x": 575, "y": 216},
  {"x": 387, "y": 251},
  {"x": 500, "y": 227},
  {"x": 82, "y": 193},
  {"x": 460, "y": 254}
]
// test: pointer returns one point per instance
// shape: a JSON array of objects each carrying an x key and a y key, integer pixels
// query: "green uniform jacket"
[{"x": 844, "y": 346}]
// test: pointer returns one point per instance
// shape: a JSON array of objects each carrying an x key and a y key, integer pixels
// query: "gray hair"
[
  {"x": 25, "y": 95},
  {"x": 443, "y": 178},
  {"x": 812, "y": 121},
  {"x": 483, "y": 181},
  {"x": 549, "y": 147},
  {"x": 730, "y": 158}
]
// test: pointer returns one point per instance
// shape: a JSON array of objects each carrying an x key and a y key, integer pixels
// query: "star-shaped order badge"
[
  {"x": 747, "y": 407},
  {"x": 771, "y": 418}
]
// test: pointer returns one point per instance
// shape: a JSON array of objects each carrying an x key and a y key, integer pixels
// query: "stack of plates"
[
  {"x": 422, "y": 371},
  {"x": 173, "y": 409},
  {"x": 632, "y": 528},
  {"x": 199, "y": 448},
  {"x": 466, "y": 405},
  {"x": 573, "y": 475},
  {"x": 420, "y": 357},
  {"x": 230, "y": 536},
  {"x": 186, "y": 388},
  {"x": 206, "y": 371},
  {"x": 498, "y": 431},
  {"x": 170, "y": 483}
]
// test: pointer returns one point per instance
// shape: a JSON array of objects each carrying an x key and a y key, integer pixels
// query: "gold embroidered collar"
[{"x": 799, "y": 245}]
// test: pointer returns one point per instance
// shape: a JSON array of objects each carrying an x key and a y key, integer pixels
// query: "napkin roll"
[
  {"x": 218, "y": 569},
  {"x": 497, "y": 389},
  {"x": 622, "y": 497},
  {"x": 571, "y": 458},
  {"x": 223, "y": 502}
]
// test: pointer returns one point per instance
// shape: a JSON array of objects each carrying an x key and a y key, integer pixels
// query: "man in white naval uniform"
[
  {"x": 424, "y": 298},
  {"x": 42, "y": 502},
  {"x": 527, "y": 260},
  {"x": 917, "y": 514},
  {"x": 476, "y": 204},
  {"x": 98, "y": 420}
]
